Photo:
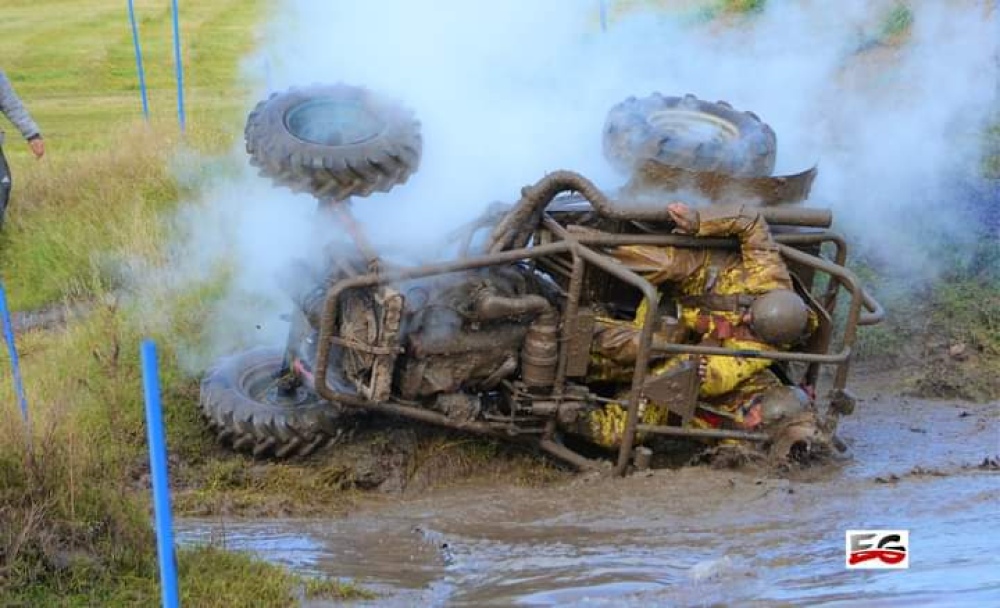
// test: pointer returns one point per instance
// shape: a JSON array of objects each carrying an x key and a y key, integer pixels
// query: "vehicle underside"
[{"x": 498, "y": 340}]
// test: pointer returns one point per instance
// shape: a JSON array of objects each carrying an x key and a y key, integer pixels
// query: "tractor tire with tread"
[
  {"x": 239, "y": 400},
  {"x": 688, "y": 133},
  {"x": 333, "y": 141}
]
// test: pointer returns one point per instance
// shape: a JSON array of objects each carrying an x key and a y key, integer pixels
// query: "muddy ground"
[{"x": 694, "y": 536}]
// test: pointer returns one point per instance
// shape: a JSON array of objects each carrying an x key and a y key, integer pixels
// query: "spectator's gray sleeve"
[{"x": 15, "y": 111}]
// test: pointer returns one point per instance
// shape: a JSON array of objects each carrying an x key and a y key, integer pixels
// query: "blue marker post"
[
  {"x": 138, "y": 60},
  {"x": 158, "y": 467},
  {"x": 178, "y": 67},
  {"x": 8, "y": 335}
]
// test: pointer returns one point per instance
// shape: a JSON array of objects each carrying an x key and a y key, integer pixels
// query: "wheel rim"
[
  {"x": 261, "y": 384},
  {"x": 694, "y": 126},
  {"x": 333, "y": 122}
]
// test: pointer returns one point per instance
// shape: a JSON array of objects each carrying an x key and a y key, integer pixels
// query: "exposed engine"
[{"x": 424, "y": 340}]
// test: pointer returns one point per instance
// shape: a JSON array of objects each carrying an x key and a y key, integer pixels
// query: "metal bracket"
[
  {"x": 676, "y": 389},
  {"x": 842, "y": 402}
]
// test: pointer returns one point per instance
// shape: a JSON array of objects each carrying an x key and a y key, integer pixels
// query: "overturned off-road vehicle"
[{"x": 499, "y": 339}]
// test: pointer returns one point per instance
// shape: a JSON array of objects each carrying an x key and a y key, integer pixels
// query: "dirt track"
[{"x": 693, "y": 536}]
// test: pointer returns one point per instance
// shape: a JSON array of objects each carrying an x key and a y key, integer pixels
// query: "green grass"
[
  {"x": 72, "y": 61},
  {"x": 897, "y": 21},
  {"x": 68, "y": 213},
  {"x": 236, "y": 580},
  {"x": 74, "y": 508},
  {"x": 693, "y": 11},
  {"x": 991, "y": 144},
  {"x": 892, "y": 28},
  {"x": 739, "y": 7},
  {"x": 946, "y": 334},
  {"x": 104, "y": 183}
]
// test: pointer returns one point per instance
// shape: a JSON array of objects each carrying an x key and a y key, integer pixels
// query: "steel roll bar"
[
  {"x": 609, "y": 265},
  {"x": 509, "y": 244},
  {"x": 511, "y": 231}
]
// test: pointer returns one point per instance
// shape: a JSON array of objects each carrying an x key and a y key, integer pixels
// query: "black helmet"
[{"x": 779, "y": 317}]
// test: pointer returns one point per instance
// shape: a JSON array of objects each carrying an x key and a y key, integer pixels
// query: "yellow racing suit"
[{"x": 728, "y": 382}]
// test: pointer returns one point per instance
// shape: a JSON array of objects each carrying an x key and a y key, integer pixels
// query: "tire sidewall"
[
  {"x": 233, "y": 374},
  {"x": 630, "y": 138},
  {"x": 337, "y": 172},
  {"x": 268, "y": 120}
]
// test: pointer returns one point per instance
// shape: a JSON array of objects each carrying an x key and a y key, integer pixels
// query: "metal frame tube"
[
  {"x": 677, "y": 431},
  {"x": 604, "y": 239},
  {"x": 649, "y": 292},
  {"x": 572, "y": 308},
  {"x": 577, "y": 245},
  {"x": 536, "y": 197},
  {"x": 774, "y": 355}
]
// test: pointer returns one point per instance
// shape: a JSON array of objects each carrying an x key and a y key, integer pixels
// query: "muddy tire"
[
  {"x": 240, "y": 402},
  {"x": 799, "y": 439},
  {"x": 333, "y": 141},
  {"x": 689, "y": 133}
]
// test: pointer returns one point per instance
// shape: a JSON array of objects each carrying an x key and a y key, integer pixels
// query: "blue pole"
[
  {"x": 604, "y": 15},
  {"x": 158, "y": 468},
  {"x": 138, "y": 60},
  {"x": 8, "y": 336},
  {"x": 178, "y": 67}
]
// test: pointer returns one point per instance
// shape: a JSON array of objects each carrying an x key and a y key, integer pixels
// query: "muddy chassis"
[
  {"x": 498, "y": 339},
  {"x": 517, "y": 368}
]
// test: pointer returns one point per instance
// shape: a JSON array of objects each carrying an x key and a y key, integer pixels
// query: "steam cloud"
[{"x": 507, "y": 91}]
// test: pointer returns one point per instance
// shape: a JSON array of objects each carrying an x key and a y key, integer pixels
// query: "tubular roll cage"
[{"x": 509, "y": 243}]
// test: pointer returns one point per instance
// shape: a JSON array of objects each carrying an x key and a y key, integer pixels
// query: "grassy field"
[
  {"x": 73, "y": 64},
  {"x": 73, "y": 519},
  {"x": 74, "y": 61}
]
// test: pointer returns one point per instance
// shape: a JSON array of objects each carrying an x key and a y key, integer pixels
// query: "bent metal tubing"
[
  {"x": 646, "y": 345},
  {"x": 328, "y": 321},
  {"x": 841, "y": 360},
  {"x": 581, "y": 253},
  {"x": 677, "y": 431},
  {"x": 511, "y": 230},
  {"x": 874, "y": 312},
  {"x": 859, "y": 299},
  {"x": 874, "y": 315},
  {"x": 555, "y": 449}
]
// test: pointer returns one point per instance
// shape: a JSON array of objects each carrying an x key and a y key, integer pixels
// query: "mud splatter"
[{"x": 687, "y": 536}]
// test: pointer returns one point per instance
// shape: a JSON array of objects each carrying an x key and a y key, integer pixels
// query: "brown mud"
[{"x": 690, "y": 536}]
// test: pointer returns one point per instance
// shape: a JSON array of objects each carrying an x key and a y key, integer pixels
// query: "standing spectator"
[{"x": 15, "y": 111}]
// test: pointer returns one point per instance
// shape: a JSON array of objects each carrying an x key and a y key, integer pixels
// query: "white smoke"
[{"x": 507, "y": 91}]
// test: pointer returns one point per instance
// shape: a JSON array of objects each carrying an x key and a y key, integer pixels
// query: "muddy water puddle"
[{"x": 687, "y": 537}]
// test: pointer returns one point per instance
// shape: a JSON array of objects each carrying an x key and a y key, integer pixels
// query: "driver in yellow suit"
[{"x": 735, "y": 299}]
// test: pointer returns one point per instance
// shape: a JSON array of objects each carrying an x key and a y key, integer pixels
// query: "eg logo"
[{"x": 877, "y": 549}]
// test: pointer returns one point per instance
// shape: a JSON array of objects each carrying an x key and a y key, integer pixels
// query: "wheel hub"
[
  {"x": 695, "y": 127},
  {"x": 265, "y": 387},
  {"x": 333, "y": 122}
]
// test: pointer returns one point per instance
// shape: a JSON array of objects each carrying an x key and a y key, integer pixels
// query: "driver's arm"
[
  {"x": 660, "y": 264},
  {"x": 765, "y": 268}
]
